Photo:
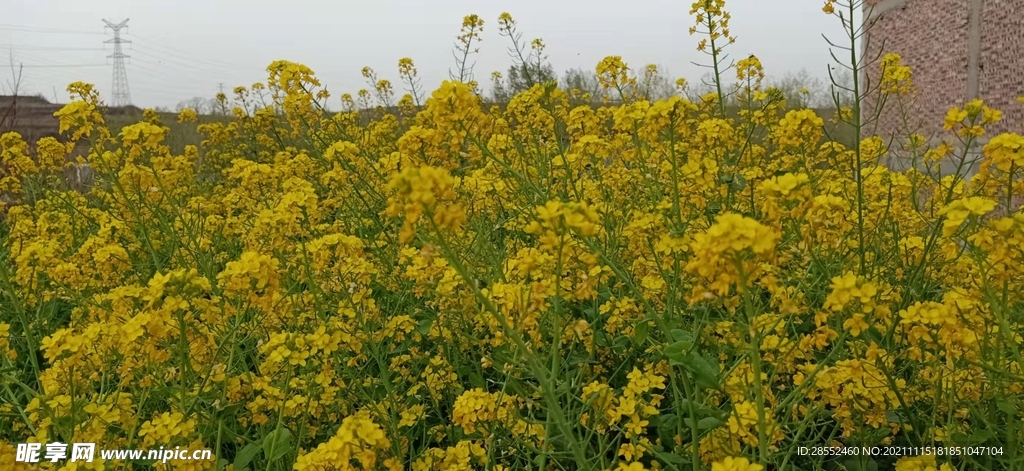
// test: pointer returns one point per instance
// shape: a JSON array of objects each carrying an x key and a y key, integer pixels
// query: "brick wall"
[
  {"x": 1002, "y": 61},
  {"x": 934, "y": 37}
]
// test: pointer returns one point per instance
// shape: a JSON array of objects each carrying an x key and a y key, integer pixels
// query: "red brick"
[{"x": 932, "y": 37}]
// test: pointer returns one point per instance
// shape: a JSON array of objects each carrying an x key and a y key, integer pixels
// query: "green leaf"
[
  {"x": 980, "y": 436},
  {"x": 679, "y": 335},
  {"x": 664, "y": 420},
  {"x": 738, "y": 182},
  {"x": 670, "y": 458},
  {"x": 666, "y": 425},
  {"x": 640, "y": 332},
  {"x": 707, "y": 423},
  {"x": 246, "y": 454},
  {"x": 424, "y": 327},
  {"x": 676, "y": 352},
  {"x": 230, "y": 411},
  {"x": 577, "y": 358},
  {"x": 894, "y": 417},
  {"x": 477, "y": 381},
  {"x": 1005, "y": 407},
  {"x": 705, "y": 372},
  {"x": 275, "y": 444},
  {"x": 860, "y": 464}
]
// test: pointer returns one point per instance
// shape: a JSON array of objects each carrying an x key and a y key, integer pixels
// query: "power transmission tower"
[{"x": 121, "y": 95}]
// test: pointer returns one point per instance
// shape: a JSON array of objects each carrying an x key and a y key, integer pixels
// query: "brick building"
[{"x": 958, "y": 50}]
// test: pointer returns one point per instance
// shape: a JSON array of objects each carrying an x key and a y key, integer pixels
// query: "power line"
[
  {"x": 150, "y": 76},
  {"x": 151, "y": 48},
  {"x": 159, "y": 48},
  {"x": 158, "y": 83},
  {"x": 153, "y": 64},
  {"x": 34, "y": 29},
  {"x": 164, "y": 61},
  {"x": 49, "y": 48},
  {"x": 157, "y": 76},
  {"x": 37, "y": 62},
  {"x": 149, "y": 69},
  {"x": 54, "y": 66}
]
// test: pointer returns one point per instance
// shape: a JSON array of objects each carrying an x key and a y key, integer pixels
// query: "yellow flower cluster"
[
  {"x": 728, "y": 254},
  {"x": 358, "y": 440},
  {"x": 480, "y": 407},
  {"x": 612, "y": 72},
  {"x": 423, "y": 191},
  {"x": 959, "y": 210},
  {"x": 896, "y": 77}
]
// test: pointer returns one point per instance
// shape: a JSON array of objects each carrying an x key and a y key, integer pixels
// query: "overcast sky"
[{"x": 187, "y": 48}]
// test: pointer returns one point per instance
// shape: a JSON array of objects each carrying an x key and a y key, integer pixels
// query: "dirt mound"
[{"x": 32, "y": 117}]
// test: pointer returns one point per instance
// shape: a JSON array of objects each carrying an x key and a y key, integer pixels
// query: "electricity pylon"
[{"x": 121, "y": 96}]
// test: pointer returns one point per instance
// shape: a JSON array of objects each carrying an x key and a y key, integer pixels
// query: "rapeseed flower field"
[{"x": 440, "y": 285}]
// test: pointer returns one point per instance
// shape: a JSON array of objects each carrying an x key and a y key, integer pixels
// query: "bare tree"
[
  {"x": 843, "y": 79},
  {"x": 200, "y": 104},
  {"x": 529, "y": 63},
  {"x": 705, "y": 86},
  {"x": 582, "y": 86},
  {"x": 523, "y": 76},
  {"x": 499, "y": 93},
  {"x": 654, "y": 84},
  {"x": 802, "y": 90},
  {"x": 9, "y": 113}
]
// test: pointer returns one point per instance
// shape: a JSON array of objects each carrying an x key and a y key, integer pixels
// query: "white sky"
[{"x": 186, "y": 48}]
